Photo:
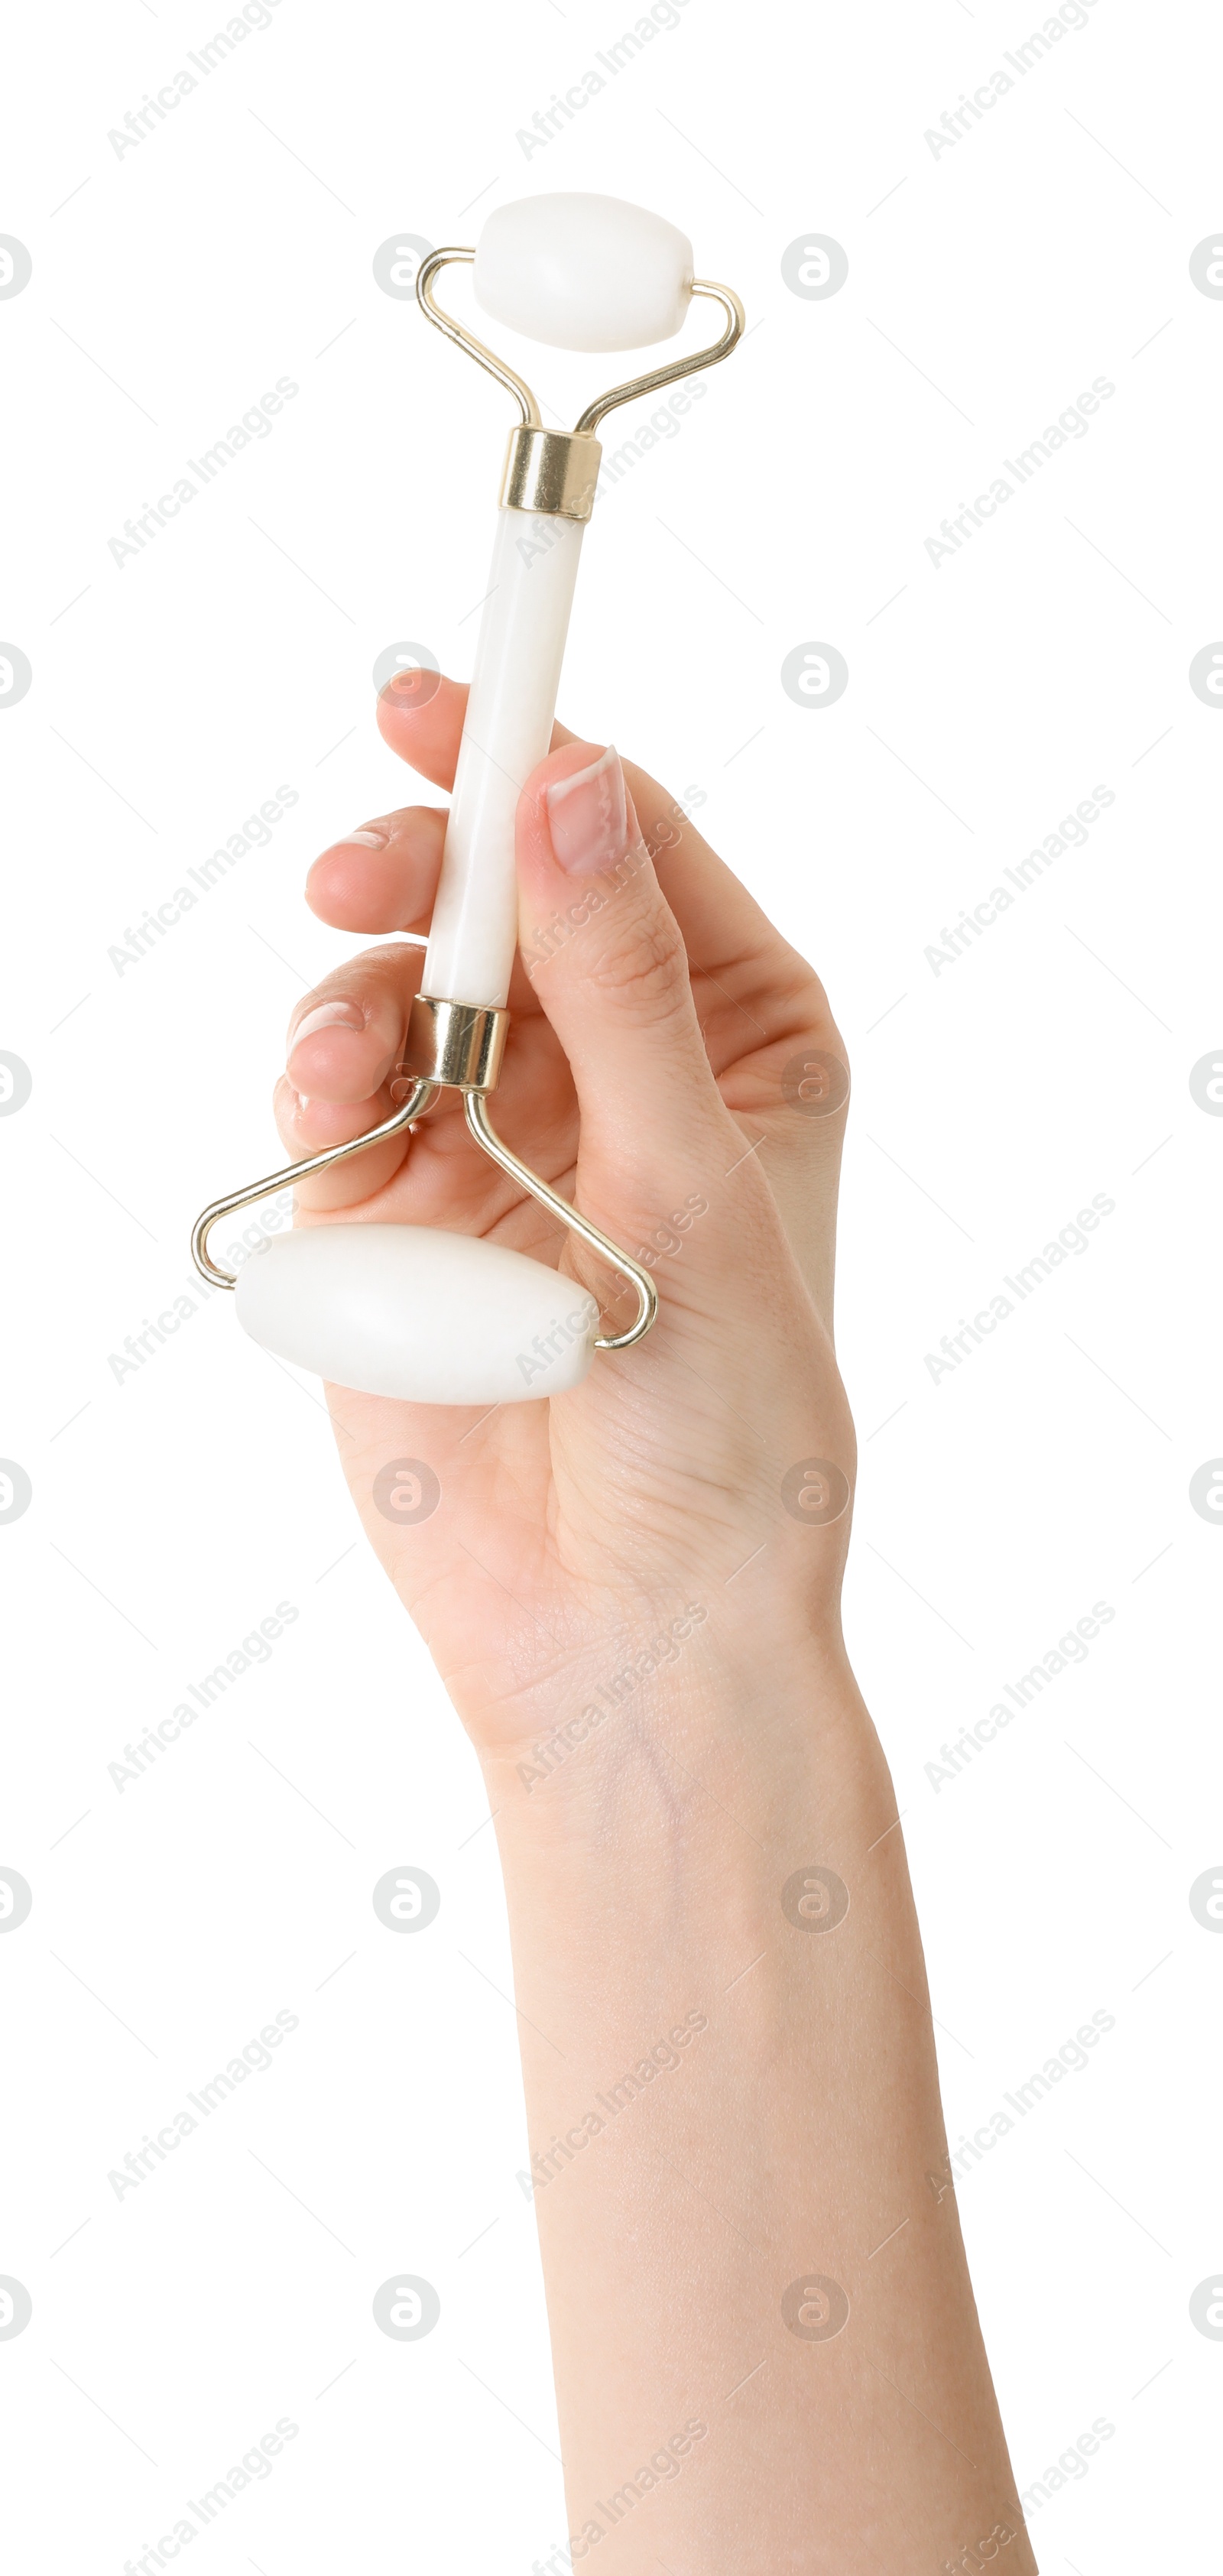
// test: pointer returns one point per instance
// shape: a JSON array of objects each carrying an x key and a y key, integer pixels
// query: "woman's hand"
[
  {"x": 751, "y": 2249},
  {"x": 672, "y": 1069}
]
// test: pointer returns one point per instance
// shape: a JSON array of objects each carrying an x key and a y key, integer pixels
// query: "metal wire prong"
[
  {"x": 670, "y": 374},
  {"x": 611, "y": 401},
  {"x": 532, "y": 417},
  {"x": 414, "y": 1106},
  {"x": 475, "y": 1105}
]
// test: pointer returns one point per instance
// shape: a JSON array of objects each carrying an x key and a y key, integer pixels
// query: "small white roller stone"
[
  {"x": 407, "y": 1311},
  {"x": 584, "y": 272}
]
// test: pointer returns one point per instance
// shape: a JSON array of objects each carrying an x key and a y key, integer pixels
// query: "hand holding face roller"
[{"x": 409, "y": 1311}]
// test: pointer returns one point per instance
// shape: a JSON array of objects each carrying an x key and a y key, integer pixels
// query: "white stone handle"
[{"x": 474, "y": 930}]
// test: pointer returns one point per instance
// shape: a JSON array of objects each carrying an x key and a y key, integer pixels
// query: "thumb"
[{"x": 605, "y": 955}]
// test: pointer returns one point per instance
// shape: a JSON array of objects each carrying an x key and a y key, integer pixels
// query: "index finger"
[{"x": 425, "y": 726}]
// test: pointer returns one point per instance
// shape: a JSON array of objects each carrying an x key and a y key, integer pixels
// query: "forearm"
[{"x": 664, "y": 1919}]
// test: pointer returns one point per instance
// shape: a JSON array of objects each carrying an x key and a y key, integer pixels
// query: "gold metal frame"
[
  {"x": 458, "y": 1045},
  {"x": 552, "y": 472},
  {"x": 421, "y": 1097}
]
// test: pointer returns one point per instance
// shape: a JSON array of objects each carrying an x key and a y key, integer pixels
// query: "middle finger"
[{"x": 384, "y": 875}]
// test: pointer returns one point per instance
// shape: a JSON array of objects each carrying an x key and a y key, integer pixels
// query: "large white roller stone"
[
  {"x": 407, "y": 1311},
  {"x": 584, "y": 272}
]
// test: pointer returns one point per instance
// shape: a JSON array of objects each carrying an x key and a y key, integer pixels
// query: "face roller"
[{"x": 409, "y": 1311}]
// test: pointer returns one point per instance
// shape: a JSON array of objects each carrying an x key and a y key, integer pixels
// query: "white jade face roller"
[{"x": 409, "y": 1311}]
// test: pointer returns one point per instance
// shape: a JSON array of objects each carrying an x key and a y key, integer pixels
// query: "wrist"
[{"x": 714, "y": 1748}]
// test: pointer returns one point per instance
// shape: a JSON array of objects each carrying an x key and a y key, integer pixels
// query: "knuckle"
[{"x": 641, "y": 962}]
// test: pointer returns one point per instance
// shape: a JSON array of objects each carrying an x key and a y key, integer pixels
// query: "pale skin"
[{"x": 793, "y": 2137}]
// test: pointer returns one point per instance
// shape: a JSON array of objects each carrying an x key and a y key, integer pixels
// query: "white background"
[{"x": 172, "y": 1510}]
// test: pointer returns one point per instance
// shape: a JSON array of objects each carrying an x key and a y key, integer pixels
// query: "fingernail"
[
  {"x": 588, "y": 815},
  {"x": 329, "y": 1015},
  {"x": 369, "y": 837}
]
